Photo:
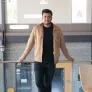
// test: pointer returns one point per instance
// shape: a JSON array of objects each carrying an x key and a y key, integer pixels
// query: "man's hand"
[
  {"x": 70, "y": 58},
  {"x": 20, "y": 60}
]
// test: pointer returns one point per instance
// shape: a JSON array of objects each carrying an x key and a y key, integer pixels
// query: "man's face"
[{"x": 46, "y": 18}]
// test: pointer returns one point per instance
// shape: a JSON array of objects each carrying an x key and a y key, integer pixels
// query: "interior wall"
[
  {"x": 61, "y": 10},
  {"x": 89, "y": 10},
  {"x": 0, "y": 12}
]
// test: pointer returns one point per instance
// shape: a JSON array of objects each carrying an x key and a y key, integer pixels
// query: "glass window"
[
  {"x": 11, "y": 11},
  {"x": 79, "y": 11}
]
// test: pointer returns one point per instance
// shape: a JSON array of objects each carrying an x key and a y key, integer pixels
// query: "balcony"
[{"x": 19, "y": 77}]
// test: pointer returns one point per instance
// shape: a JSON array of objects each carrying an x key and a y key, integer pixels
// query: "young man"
[{"x": 48, "y": 39}]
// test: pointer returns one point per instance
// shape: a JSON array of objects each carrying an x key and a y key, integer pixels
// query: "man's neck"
[{"x": 47, "y": 25}]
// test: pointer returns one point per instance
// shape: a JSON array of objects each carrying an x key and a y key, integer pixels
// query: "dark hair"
[{"x": 47, "y": 11}]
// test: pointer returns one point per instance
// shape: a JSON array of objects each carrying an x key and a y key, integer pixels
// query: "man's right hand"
[{"x": 20, "y": 60}]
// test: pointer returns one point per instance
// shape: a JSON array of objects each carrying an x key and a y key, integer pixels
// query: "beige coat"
[{"x": 36, "y": 39}]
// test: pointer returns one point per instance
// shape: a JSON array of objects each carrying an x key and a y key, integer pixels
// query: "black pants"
[{"x": 43, "y": 76}]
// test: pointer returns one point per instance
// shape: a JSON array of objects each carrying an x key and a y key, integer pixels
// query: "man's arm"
[
  {"x": 63, "y": 47},
  {"x": 30, "y": 44}
]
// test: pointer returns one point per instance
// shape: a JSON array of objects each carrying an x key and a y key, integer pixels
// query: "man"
[{"x": 48, "y": 39}]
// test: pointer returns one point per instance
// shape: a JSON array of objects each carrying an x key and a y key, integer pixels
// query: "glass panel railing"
[{"x": 22, "y": 78}]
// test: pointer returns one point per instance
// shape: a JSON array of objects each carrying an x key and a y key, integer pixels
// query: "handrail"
[
  {"x": 15, "y": 62},
  {"x": 61, "y": 61}
]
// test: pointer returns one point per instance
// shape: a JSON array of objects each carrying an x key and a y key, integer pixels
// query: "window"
[
  {"x": 79, "y": 11},
  {"x": 11, "y": 11}
]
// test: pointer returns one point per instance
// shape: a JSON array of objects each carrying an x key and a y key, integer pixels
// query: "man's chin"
[{"x": 47, "y": 23}]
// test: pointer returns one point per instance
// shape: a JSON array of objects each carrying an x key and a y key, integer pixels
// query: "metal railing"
[{"x": 61, "y": 61}]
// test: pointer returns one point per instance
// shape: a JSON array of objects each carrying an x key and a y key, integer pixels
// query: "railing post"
[
  {"x": 2, "y": 79},
  {"x": 2, "y": 66}
]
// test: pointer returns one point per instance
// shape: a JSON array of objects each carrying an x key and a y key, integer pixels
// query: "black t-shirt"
[{"x": 47, "y": 56}]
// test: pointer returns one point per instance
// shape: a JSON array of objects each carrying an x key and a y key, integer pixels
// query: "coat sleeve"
[
  {"x": 63, "y": 45},
  {"x": 30, "y": 44}
]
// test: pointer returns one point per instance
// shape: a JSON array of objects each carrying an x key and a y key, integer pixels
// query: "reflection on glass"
[
  {"x": 58, "y": 81},
  {"x": 23, "y": 79}
]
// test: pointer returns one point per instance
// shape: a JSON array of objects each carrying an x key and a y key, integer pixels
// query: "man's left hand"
[{"x": 70, "y": 58}]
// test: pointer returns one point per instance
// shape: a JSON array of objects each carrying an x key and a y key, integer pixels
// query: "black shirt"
[{"x": 47, "y": 56}]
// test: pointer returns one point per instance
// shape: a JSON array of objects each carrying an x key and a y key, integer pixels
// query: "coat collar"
[{"x": 54, "y": 29}]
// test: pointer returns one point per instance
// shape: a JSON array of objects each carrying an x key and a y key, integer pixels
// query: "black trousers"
[{"x": 44, "y": 76}]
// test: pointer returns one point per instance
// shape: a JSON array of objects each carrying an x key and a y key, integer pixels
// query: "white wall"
[
  {"x": 0, "y": 12},
  {"x": 61, "y": 9},
  {"x": 89, "y": 10}
]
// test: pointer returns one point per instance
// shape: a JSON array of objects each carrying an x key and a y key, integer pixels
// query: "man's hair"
[{"x": 47, "y": 11}]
